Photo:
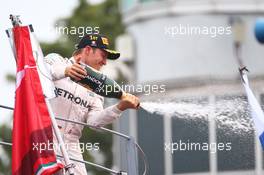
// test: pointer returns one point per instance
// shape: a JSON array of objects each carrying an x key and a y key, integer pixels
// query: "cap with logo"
[{"x": 98, "y": 41}]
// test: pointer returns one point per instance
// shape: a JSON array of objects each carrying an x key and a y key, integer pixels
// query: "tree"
[
  {"x": 6, "y": 135},
  {"x": 107, "y": 17}
]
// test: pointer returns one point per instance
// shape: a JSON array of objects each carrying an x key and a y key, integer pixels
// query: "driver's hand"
[
  {"x": 75, "y": 71},
  {"x": 128, "y": 101}
]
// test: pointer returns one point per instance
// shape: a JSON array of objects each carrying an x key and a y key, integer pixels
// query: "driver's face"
[{"x": 96, "y": 58}]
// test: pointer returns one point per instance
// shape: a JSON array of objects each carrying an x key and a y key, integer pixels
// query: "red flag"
[{"x": 32, "y": 151}]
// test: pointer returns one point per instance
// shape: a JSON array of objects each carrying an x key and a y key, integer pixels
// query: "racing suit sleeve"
[
  {"x": 56, "y": 65},
  {"x": 98, "y": 116}
]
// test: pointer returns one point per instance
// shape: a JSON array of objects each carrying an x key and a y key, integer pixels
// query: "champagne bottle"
[{"x": 100, "y": 83}]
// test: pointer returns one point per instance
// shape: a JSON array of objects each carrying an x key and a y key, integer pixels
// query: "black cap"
[{"x": 98, "y": 41}]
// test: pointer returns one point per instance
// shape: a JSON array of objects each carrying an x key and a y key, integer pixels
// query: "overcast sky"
[{"x": 43, "y": 15}]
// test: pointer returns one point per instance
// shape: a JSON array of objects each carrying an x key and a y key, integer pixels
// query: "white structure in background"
[{"x": 174, "y": 43}]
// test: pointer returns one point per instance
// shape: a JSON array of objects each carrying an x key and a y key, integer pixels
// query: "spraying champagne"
[{"x": 95, "y": 80}]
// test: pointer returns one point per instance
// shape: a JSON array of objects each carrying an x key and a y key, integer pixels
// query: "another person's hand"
[
  {"x": 75, "y": 71},
  {"x": 128, "y": 101}
]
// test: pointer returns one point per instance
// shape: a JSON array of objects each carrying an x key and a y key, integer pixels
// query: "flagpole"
[
  {"x": 69, "y": 166},
  {"x": 238, "y": 37}
]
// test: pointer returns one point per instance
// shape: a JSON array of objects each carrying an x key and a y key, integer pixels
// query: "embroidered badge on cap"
[{"x": 105, "y": 41}]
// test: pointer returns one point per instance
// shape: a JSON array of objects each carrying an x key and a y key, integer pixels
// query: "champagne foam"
[{"x": 232, "y": 114}]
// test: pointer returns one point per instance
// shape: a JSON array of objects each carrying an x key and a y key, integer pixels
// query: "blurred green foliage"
[
  {"x": 5, "y": 164},
  {"x": 107, "y": 17}
]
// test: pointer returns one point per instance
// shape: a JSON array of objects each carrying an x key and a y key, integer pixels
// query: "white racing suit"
[{"x": 77, "y": 103}]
